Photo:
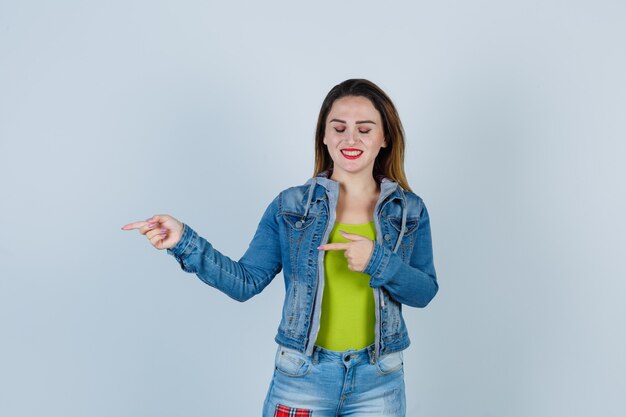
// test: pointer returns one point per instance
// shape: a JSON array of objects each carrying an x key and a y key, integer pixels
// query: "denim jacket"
[{"x": 295, "y": 223}]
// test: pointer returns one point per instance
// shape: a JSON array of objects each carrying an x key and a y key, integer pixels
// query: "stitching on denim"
[
  {"x": 263, "y": 281},
  {"x": 191, "y": 245},
  {"x": 384, "y": 262}
]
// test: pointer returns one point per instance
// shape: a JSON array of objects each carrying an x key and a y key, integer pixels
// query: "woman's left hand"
[{"x": 358, "y": 251}]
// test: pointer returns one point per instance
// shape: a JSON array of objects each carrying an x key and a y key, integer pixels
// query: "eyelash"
[{"x": 360, "y": 131}]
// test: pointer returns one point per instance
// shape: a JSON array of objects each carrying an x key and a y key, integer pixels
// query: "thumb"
[{"x": 158, "y": 218}]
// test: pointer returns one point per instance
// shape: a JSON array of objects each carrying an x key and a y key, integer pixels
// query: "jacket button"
[
  {"x": 387, "y": 237},
  {"x": 298, "y": 224}
]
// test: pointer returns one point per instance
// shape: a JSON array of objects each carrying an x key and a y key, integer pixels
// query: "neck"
[{"x": 360, "y": 184}]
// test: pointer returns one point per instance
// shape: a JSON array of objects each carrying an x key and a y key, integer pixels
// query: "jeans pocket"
[
  {"x": 291, "y": 362},
  {"x": 389, "y": 363}
]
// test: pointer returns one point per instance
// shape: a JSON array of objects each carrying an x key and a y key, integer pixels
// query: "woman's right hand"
[{"x": 162, "y": 230}]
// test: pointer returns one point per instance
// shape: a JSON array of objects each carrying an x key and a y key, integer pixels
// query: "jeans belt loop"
[
  {"x": 371, "y": 351},
  {"x": 315, "y": 357}
]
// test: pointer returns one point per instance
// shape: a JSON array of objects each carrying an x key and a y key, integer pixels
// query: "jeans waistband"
[{"x": 368, "y": 353}]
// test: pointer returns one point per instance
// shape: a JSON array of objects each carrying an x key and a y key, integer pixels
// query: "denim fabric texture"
[
  {"x": 295, "y": 223},
  {"x": 330, "y": 384}
]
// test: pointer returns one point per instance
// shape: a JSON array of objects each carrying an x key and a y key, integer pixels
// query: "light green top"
[{"x": 348, "y": 316}]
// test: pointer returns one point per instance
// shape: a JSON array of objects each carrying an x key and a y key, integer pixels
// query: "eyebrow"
[{"x": 358, "y": 122}]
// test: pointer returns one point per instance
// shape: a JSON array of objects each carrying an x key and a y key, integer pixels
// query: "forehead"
[{"x": 352, "y": 108}]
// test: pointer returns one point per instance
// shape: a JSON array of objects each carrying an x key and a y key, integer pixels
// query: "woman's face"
[{"x": 353, "y": 135}]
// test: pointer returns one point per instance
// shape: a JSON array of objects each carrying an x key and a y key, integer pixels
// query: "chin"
[{"x": 353, "y": 169}]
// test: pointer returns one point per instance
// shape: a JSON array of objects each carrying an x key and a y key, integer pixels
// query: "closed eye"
[{"x": 340, "y": 130}]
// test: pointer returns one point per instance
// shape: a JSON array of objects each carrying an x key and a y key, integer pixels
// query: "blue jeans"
[{"x": 332, "y": 384}]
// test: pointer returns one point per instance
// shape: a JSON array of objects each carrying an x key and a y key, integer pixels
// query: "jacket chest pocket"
[
  {"x": 304, "y": 235},
  {"x": 297, "y": 222},
  {"x": 408, "y": 237},
  {"x": 300, "y": 228}
]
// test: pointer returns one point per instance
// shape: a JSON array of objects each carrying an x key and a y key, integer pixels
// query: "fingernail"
[
  {"x": 341, "y": 231},
  {"x": 319, "y": 247},
  {"x": 150, "y": 225},
  {"x": 163, "y": 231}
]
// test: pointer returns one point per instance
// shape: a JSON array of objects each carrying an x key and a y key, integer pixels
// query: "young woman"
[{"x": 354, "y": 244}]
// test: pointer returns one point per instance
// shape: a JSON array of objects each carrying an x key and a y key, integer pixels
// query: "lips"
[{"x": 351, "y": 153}]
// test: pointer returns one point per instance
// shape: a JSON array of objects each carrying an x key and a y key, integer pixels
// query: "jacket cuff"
[
  {"x": 377, "y": 265},
  {"x": 185, "y": 245}
]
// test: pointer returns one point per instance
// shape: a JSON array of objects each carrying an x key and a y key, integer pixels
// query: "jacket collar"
[{"x": 387, "y": 186}]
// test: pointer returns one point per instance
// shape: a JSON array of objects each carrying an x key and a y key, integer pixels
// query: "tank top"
[{"x": 348, "y": 316}]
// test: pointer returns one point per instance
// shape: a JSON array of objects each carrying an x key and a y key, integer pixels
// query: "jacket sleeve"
[
  {"x": 239, "y": 280},
  {"x": 413, "y": 283}
]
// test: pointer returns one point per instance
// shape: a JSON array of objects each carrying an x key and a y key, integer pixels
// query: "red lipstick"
[{"x": 352, "y": 153}]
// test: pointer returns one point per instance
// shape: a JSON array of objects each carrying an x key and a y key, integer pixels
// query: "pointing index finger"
[
  {"x": 133, "y": 226},
  {"x": 353, "y": 236}
]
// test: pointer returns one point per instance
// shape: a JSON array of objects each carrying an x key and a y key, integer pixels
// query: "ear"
[{"x": 384, "y": 145}]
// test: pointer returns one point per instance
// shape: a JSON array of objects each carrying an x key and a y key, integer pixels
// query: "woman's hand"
[
  {"x": 358, "y": 251},
  {"x": 163, "y": 231}
]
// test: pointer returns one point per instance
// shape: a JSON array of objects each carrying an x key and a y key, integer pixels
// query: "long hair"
[{"x": 390, "y": 160}]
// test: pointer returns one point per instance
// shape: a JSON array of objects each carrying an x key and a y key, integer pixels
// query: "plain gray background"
[{"x": 111, "y": 112}]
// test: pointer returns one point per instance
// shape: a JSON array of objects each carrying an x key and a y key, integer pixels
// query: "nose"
[{"x": 353, "y": 136}]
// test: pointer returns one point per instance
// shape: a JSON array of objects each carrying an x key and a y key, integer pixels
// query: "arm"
[
  {"x": 239, "y": 280},
  {"x": 413, "y": 283}
]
